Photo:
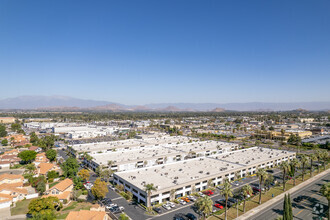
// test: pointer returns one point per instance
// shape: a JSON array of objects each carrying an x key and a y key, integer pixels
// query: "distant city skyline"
[{"x": 166, "y": 51}]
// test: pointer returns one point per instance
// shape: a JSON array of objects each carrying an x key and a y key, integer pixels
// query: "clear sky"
[{"x": 152, "y": 51}]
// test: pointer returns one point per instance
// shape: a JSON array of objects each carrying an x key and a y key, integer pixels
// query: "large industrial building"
[
  {"x": 185, "y": 177},
  {"x": 160, "y": 152}
]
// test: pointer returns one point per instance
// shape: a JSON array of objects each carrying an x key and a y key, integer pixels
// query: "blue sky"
[{"x": 152, "y": 51}]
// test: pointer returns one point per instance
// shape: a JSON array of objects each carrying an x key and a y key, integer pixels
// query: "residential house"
[
  {"x": 36, "y": 149},
  {"x": 62, "y": 190},
  {"x": 44, "y": 168},
  {"x": 41, "y": 158},
  {"x": 88, "y": 215}
]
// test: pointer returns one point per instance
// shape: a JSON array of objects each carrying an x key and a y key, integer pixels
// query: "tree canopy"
[
  {"x": 44, "y": 206},
  {"x": 51, "y": 154},
  {"x": 3, "y": 132},
  {"x": 84, "y": 174},
  {"x": 70, "y": 167},
  {"x": 27, "y": 156},
  {"x": 100, "y": 189}
]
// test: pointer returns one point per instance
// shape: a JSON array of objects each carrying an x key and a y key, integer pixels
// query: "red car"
[
  {"x": 208, "y": 192},
  {"x": 218, "y": 206}
]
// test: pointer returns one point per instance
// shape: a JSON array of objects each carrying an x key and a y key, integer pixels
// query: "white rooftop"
[{"x": 183, "y": 172}]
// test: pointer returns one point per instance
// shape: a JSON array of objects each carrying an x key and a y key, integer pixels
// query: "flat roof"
[
  {"x": 145, "y": 153},
  {"x": 171, "y": 175},
  {"x": 130, "y": 143}
]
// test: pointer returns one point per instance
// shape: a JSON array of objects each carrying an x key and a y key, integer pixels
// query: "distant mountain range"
[{"x": 63, "y": 103}]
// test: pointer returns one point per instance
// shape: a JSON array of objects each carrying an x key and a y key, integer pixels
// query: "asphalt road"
[{"x": 304, "y": 209}]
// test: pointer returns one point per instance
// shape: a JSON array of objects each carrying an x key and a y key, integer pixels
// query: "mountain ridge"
[{"x": 68, "y": 103}]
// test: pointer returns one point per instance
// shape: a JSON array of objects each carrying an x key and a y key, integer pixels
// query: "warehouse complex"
[
  {"x": 129, "y": 158},
  {"x": 187, "y": 176}
]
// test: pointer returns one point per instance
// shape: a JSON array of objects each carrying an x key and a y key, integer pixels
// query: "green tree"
[
  {"x": 16, "y": 127},
  {"x": 48, "y": 215},
  {"x": 4, "y": 142},
  {"x": 269, "y": 180},
  {"x": 27, "y": 156},
  {"x": 122, "y": 216},
  {"x": 34, "y": 138},
  {"x": 262, "y": 175},
  {"x": 30, "y": 168},
  {"x": 304, "y": 160},
  {"x": 70, "y": 167},
  {"x": 100, "y": 189},
  {"x": 41, "y": 187},
  {"x": 312, "y": 157},
  {"x": 318, "y": 155},
  {"x": 52, "y": 174},
  {"x": 227, "y": 192},
  {"x": 246, "y": 191},
  {"x": 3, "y": 132},
  {"x": 294, "y": 164},
  {"x": 324, "y": 157},
  {"x": 44, "y": 206},
  {"x": 47, "y": 142},
  {"x": 204, "y": 205},
  {"x": 325, "y": 191},
  {"x": 285, "y": 169},
  {"x": 51, "y": 154},
  {"x": 290, "y": 207},
  {"x": 84, "y": 174},
  {"x": 285, "y": 208},
  {"x": 149, "y": 188}
]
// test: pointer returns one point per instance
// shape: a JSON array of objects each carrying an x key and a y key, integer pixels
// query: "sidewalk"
[{"x": 265, "y": 205}]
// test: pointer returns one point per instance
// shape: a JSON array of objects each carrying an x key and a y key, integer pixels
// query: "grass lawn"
[
  {"x": 52, "y": 184},
  {"x": 254, "y": 202},
  {"x": 21, "y": 207}
]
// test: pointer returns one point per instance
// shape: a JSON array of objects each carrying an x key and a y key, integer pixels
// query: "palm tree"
[
  {"x": 246, "y": 190},
  {"x": 286, "y": 169},
  {"x": 149, "y": 188},
  {"x": 30, "y": 168},
  {"x": 262, "y": 174},
  {"x": 325, "y": 191},
  {"x": 269, "y": 180},
  {"x": 282, "y": 133},
  {"x": 318, "y": 155},
  {"x": 204, "y": 205},
  {"x": 227, "y": 192},
  {"x": 324, "y": 157},
  {"x": 312, "y": 157},
  {"x": 294, "y": 164},
  {"x": 304, "y": 160}
]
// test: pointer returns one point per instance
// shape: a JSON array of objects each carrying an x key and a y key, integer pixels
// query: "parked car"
[
  {"x": 171, "y": 204},
  {"x": 182, "y": 202},
  {"x": 192, "y": 198},
  {"x": 232, "y": 200},
  {"x": 223, "y": 203},
  {"x": 191, "y": 216},
  {"x": 208, "y": 192},
  {"x": 236, "y": 183},
  {"x": 218, "y": 206},
  {"x": 186, "y": 199},
  {"x": 167, "y": 207},
  {"x": 270, "y": 171},
  {"x": 158, "y": 210},
  {"x": 201, "y": 194},
  {"x": 256, "y": 188},
  {"x": 180, "y": 216},
  {"x": 299, "y": 198}
]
